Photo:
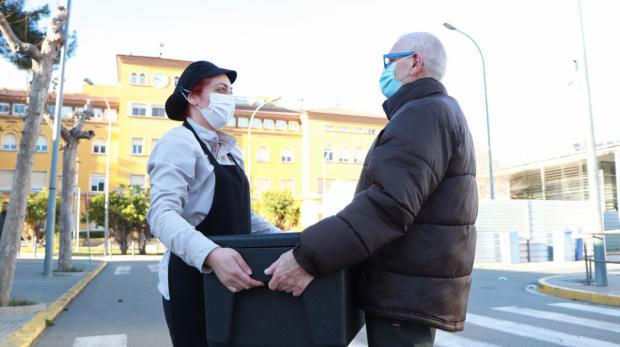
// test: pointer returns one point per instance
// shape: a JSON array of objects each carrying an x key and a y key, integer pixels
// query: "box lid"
[{"x": 287, "y": 239}]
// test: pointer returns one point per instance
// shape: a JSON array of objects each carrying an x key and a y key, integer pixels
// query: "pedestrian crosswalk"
[
  {"x": 126, "y": 269},
  {"x": 536, "y": 330}
]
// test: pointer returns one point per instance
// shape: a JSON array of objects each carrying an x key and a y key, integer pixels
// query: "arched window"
[
  {"x": 134, "y": 78},
  {"x": 142, "y": 79},
  {"x": 344, "y": 154},
  {"x": 41, "y": 144},
  {"x": 99, "y": 146},
  {"x": 9, "y": 142},
  {"x": 262, "y": 154},
  {"x": 328, "y": 154},
  {"x": 286, "y": 155}
]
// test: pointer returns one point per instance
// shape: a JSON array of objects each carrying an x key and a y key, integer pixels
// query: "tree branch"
[{"x": 15, "y": 44}]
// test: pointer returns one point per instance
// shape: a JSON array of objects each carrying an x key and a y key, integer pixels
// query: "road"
[{"x": 122, "y": 307}]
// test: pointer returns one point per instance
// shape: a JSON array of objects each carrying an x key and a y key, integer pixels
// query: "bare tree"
[
  {"x": 72, "y": 139},
  {"x": 43, "y": 58}
]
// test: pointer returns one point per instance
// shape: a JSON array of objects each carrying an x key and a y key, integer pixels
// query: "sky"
[{"x": 328, "y": 53}]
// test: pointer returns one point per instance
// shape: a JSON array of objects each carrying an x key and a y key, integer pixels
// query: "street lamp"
[
  {"x": 486, "y": 105},
  {"x": 249, "y": 150},
  {"x": 106, "y": 223}
]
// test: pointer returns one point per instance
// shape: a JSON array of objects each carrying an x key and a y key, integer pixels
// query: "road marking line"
[
  {"x": 101, "y": 341},
  {"x": 154, "y": 267},
  {"x": 536, "y": 333},
  {"x": 560, "y": 317},
  {"x": 445, "y": 339},
  {"x": 122, "y": 270},
  {"x": 588, "y": 308}
]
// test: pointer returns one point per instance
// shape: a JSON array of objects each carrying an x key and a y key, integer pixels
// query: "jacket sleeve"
[
  {"x": 404, "y": 168},
  {"x": 170, "y": 176}
]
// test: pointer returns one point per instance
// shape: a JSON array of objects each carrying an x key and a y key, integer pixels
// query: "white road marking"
[
  {"x": 153, "y": 267},
  {"x": 101, "y": 341},
  {"x": 122, "y": 270},
  {"x": 445, "y": 339},
  {"x": 536, "y": 333},
  {"x": 560, "y": 317},
  {"x": 588, "y": 308}
]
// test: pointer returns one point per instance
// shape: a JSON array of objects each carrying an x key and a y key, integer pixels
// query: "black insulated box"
[{"x": 324, "y": 315}]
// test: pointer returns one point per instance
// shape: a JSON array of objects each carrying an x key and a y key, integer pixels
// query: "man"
[
  {"x": 410, "y": 227},
  {"x": 5, "y": 207}
]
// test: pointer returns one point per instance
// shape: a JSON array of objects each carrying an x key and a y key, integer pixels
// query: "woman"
[{"x": 198, "y": 189}]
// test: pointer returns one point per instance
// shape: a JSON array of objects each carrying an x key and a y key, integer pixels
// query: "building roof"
[
  {"x": 266, "y": 108},
  {"x": 152, "y": 61},
  {"x": 76, "y": 99},
  {"x": 344, "y": 115}
]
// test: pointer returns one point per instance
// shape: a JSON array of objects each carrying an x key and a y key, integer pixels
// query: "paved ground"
[
  {"x": 121, "y": 308},
  {"x": 30, "y": 284}
]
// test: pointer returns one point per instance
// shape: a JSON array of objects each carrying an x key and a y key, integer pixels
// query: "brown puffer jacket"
[{"x": 410, "y": 227}]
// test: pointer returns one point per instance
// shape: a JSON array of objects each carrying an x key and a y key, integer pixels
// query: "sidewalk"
[
  {"x": 19, "y": 326},
  {"x": 574, "y": 287}
]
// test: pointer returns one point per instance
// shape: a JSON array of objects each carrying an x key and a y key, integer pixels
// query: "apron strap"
[{"x": 206, "y": 149}]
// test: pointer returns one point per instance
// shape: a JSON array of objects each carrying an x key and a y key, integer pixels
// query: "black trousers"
[
  {"x": 385, "y": 332},
  {"x": 168, "y": 315}
]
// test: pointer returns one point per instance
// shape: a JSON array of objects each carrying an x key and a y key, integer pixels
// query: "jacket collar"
[{"x": 418, "y": 89}]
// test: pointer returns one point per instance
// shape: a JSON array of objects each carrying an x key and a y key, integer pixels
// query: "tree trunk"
[
  {"x": 67, "y": 224},
  {"x": 9, "y": 244}
]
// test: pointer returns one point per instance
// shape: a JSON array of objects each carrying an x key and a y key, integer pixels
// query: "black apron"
[{"x": 229, "y": 215}]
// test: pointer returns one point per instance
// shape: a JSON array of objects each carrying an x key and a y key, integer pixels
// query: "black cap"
[{"x": 193, "y": 73}]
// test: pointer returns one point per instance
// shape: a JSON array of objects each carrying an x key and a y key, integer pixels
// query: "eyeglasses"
[{"x": 392, "y": 57}]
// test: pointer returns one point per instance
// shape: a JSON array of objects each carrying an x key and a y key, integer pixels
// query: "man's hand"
[
  {"x": 231, "y": 269},
  {"x": 288, "y": 276}
]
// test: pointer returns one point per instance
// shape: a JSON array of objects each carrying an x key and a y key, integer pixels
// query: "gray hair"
[{"x": 430, "y": 48}]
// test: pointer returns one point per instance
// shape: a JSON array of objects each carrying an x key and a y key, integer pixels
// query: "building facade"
[{"x": 316, "y": 154}]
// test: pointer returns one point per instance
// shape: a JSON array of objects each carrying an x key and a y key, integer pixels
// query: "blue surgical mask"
[{"x": 389, "y": 83}]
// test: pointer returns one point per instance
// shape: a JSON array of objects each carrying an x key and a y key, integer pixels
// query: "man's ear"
[{"x": 417, "y": 64}]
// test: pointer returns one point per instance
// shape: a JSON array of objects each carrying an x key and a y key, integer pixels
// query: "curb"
[
  {"x": 577, "y": 294},
  {"x": 25, "y": 336}
]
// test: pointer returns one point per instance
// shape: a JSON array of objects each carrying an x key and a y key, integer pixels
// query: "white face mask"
[{"x": 220, "y": 110}]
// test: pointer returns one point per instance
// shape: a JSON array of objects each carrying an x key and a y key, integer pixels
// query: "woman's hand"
[{"x": 231, "y": 269}]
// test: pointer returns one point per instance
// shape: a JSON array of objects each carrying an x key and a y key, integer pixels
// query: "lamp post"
[
  {"x": 600, "y": 267},
  {"x": 106, "y": 218},
  {"x": 486, "y": 105},
  {"x": 249, "y": 149}
]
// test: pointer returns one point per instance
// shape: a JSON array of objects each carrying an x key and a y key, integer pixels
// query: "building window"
[
  {"x": 293, "y": 126},
  {"x": 19, "y": 109},
  {"x": 262, "y": 154},
  {"x": 357, "y": 130},
  {"x": 137, "y": 146},
  {"x": 280, "y": 125},
  {"x": 232, "y": 122},
  {"x": 243, "y": 122},
  {"x": 268, "y": 124},
  {"x": 372, "y": 131},
  {"x": 358, "y": 155},
  {"x": 99, "y": 146},
  {"x": 328, "y": 154},
  {"x": 4, "y": 108},
  {"x": 9, "y": 142},
  {"x": 262, "y": 185},
  {"x": 256, "y": 123},
  {"x": 328, "y": 128},
  {"x": 342, "y": 129},
  {"x": 137, "y": 180},
  {"x": 38, "y": 180},
  {"x": 142, "y": 79},
  {"x": 138, "y": 110},
  {"x": 287, "y": 184},
  {"x": 344, "y": 155},
  {"x": 134, "y": 78},
  {"x": 175, "y": 80},
  {"x": 66, "y": 111},
  {"x": 41, "y": 144},
  {"x": 97, "y": 183},
  {"x": 158, "y": 111},
  {"x": 286, "y": 156},
  {"x": 97, "y": 113}
]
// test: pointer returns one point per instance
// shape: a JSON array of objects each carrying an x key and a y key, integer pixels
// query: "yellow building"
[{"x": 312, "y": 153}]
